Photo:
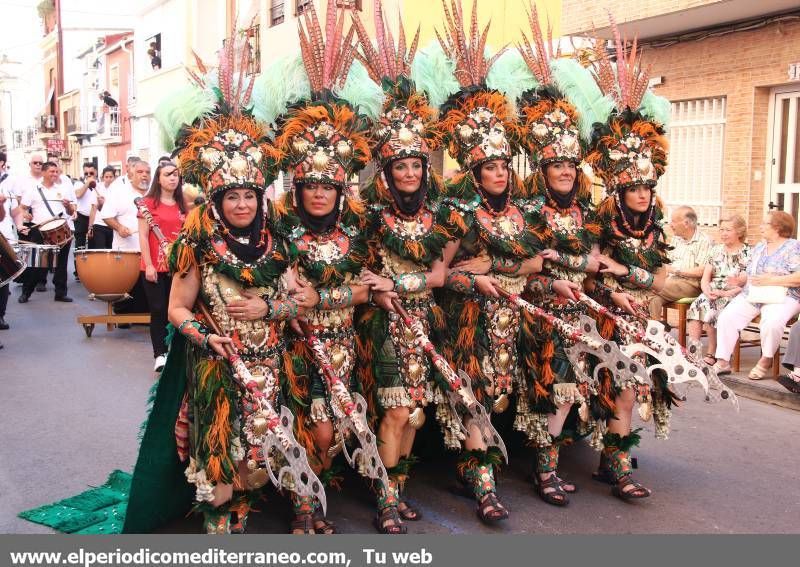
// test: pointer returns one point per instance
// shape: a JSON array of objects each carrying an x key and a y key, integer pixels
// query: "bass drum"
[
  {"x": 38, "y": 255},
  {"x": 108, "y": 272},
  {"x": 10, "y": 265}
]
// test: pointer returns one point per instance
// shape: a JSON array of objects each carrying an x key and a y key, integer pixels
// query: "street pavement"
[{"x": 72, "y": 407}]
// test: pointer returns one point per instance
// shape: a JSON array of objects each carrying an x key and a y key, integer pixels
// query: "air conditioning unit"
[{"x": 50, "y": 121}]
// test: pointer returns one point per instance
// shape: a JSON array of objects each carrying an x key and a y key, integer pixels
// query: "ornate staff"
[
  {"x": 682, "y": 365},
  {"x": 586, "y": 340},
  {"x": 460, "y": 385},
  {"x": 276, "y": 430},
  {"x": 350, "y": 413}
]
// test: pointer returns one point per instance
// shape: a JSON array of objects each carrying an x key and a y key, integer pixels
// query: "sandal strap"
[
  {"x": 390, "y": 513},
  {"x": 488, "y": 500},
  {"x": 627, "y": 481},
  {"x": 304, "y": 523}
]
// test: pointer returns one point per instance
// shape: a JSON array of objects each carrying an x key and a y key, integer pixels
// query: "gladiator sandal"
[
  {"x": 407, "y": 511},
  {"x": 550, "y": 488},
  {"x": 303, "y": 508},
  {"x": 217, "y": 521},
  {"x": 615, "y": 467},
  {"x": 476, "y": 470},
  {"x": 387, "y": 519}
]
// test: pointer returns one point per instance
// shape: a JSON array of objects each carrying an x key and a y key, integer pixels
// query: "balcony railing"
[{"x": 26, "y": 137}]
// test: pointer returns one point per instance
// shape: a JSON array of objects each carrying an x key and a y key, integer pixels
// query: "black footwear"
[
  {"x": 789, "y": 383},
  {"x": 3, "y": 325},
  {"x": 23, "y": 298},
  {"x": 41, "y": 287},
  {"x": 1, "y": 346},
  {"x": 63, "y": 298},
  {"x": 123, "y": 325}
]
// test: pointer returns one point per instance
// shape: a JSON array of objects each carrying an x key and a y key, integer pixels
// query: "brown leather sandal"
[
  {"x": 322, "y": 525},
  {"x": 389, "y": 514},
  {"x": 498, "y": 512},
  {"x": 567, "y": 486},
  {"x": 637, "y": 492},
  {"x": 551, "y": 491},
  {"x": 408, "y": 512},
  {"x": 304, "y": 524}
]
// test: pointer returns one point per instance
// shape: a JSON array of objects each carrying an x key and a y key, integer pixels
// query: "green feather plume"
[
  {"x": 283, "y": 83},
  {"x": 580, "y": 88},
  {"x": 656, "y": 108},
  {"x": 511, "y": 76},
  {"x": 362, "y": 92},
  {"x": 433, "y": 72},
  {"x": 180, "y": 108}
]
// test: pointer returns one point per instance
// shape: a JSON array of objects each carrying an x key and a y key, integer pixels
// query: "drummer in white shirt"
[
  {"x": 85, "y": 193},
  {"x": 47, "y": 200},
  {"x": 120, "y": 213},
  {"x": 100, "y": 235}
]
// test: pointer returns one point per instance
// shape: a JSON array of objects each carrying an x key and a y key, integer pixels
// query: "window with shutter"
[{"x": 694, "y": 172}]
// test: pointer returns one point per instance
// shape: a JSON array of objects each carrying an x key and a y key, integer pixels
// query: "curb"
[{"x": 762, "y": 393}]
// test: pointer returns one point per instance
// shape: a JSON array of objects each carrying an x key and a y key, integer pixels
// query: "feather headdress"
[
  {"x": 406, "y": 126},
  {"x": 477, "y": 121},
  {"x": 218, "y": 143},
  {"x": 630, "y": 148},
  {"x": 549, "y": 119},
  {"x": 324, "y": 137}
]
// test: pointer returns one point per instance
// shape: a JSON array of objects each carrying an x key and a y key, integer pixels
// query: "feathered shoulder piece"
[
  {"x": 218, "y": 143},
  {"x": 406, "y": 126}
]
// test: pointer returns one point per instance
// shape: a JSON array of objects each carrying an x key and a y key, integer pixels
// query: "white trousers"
[{"x": 739, "y": 312}]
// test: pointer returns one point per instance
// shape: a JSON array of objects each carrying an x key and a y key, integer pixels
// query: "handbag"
[{"x": 767, "y": 293}]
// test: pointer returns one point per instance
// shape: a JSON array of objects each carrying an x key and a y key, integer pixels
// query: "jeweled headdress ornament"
[
  {"x": 630, "y": 148},
  {"x": 219, "y": 145}
]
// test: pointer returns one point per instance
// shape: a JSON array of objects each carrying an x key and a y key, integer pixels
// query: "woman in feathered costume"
[
  {"x": 409, "y": 230},
  {"x": 629, "y": 153},
  {"x": 563, "y": 213},
  {"x": 228, "y": 263},
  {"x": 324, "y": 140},
  {"x": 498, "y": 248}
]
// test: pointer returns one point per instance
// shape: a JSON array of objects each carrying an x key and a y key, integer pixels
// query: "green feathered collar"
[
  {"x": 201, "y": 243},
  {"x": 572, "y": 233},
  {"x": 648, "y": 252},
  {"x": 329, "y": 259}
]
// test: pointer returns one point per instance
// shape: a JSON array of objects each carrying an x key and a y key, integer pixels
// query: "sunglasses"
[{"x": 36, "y": 163}]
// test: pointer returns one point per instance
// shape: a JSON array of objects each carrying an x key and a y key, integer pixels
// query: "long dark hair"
[{"x": 155, "y": 188}]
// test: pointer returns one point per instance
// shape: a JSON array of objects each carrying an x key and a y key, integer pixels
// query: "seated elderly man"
[{"x": 690, "y": 254}]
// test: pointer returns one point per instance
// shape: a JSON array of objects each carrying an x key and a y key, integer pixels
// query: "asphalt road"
[{"x": 72, "y": 406}]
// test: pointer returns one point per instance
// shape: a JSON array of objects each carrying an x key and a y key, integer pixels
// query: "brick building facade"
[{"x": 730, "y": 85}]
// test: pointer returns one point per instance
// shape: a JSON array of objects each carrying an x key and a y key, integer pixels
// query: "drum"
[
  {"x": 55, "y": 231},
  {"x": 108, "y": 272},
  {"x": 38, "y": 255},
  {"x": 10, "y": 265}
]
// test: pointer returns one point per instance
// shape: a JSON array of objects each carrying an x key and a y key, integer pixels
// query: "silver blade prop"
[
  {"x": 460, "y": 391},
  {"x": 587, "y": 340},
  {"x": 350, "y": 414},
  {"x": 274, "y": 432},
  {"x": 681, "y": 365}
]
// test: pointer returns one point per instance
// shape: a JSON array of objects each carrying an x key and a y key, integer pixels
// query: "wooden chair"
[{"x": 682, "y": 306}]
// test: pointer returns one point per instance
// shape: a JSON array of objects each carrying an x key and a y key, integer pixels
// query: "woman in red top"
[{"x": 165, "y": 202}]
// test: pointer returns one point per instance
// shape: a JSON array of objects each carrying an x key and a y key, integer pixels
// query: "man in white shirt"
[
  {"x": 119, "y": 211},
  {"x": 16, "y": 185},
  {"x": 47, "y": 200},
  {"x": 127, "y": 177},
  {"x": 100, "y": 235},
  {"x": 120, "y": 214}
]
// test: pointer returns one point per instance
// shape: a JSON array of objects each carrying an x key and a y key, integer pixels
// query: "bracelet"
[
  {"x": 505, "y": 265},
  {"x": 195, "y": 332},
  {"x": 409, "y": 283},
  {"x": 639, "y": 277},
  {"x": 577, "y": 262},
  {"x": 335, "y": 297},
  {"x": 281, "y": 309},
  {"x": 460, "y": 282}
]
